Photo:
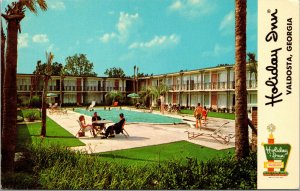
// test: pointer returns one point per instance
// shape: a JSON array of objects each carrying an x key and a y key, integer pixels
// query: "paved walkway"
[{"x": 142, "y": 134}]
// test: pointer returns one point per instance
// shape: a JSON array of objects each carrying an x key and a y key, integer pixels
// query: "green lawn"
[
  {"x": 160, "y": 153},
  {"x": 29, "y": 133},
  {"x": 211, "y": 114}
]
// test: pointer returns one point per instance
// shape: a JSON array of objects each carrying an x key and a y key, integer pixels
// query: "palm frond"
[
  {"x": 43, "y": 5},
  {"x": 30, "y": 4}
]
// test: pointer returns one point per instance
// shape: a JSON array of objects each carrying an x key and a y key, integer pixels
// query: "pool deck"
[{"x": 143, "y": 134}]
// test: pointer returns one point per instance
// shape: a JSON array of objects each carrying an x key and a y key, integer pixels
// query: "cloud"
[
  {"x": 56, "y": 5},
  {"x": 23, "y": 40},
  {"x": 217, "y": 51},
  {"x": 107, "y": 37},
  {"x": 40, "y": 38},
  {"x": 123, "y": 28},
  {"x": 228, "y": 21},
  {"x": 192, "y": 8},
  {"x": 126, "y": 21},
  {"x": 157, "y": 41}
]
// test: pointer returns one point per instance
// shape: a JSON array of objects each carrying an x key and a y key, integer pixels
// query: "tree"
[
  {"x": 14, "y": 14},
  {"x": 114, "y": 95},
  {"x": 37, "y": 72},
  {"x": 252, "y": 65},
  {"x": 79, "y": 65},
  {"x": 62, "y": 76},
  {"x": 145, "y": 95},
  {"x": 241, "y": 116},
  {"x": 47, "y": 75},
  {"x": 155, "y": 92},
  {"x": 115, "y": 72},
  {"x": 3, "y": 39},
  {"x": 56, "y": 68}
]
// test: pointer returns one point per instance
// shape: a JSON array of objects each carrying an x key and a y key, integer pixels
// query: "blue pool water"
[{"x": 130, "y": 116}]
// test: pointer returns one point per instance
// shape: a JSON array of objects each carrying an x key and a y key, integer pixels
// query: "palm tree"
[
  {"x": 62, "y": 76},
  {"x": 114, "y": 95},
  {"x": 137, "y": 82},
  {"x": 145, "y": 94},
  {"x": 155, "y": 92},
  {"x": 252, "y": 65},
  {"x": 3, "y": 39},
  {"x": 47, "y": 76},
  {"x": 14, "y": 13},
  {"x": 134, "y": 70},
  {"x": 241, "y": 117}
]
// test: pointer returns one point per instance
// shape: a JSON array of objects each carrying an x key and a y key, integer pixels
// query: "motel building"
[{"x": 212, "y": 87}]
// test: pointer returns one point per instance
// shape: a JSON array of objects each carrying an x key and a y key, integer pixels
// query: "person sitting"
[
  {"x": 95, "y": 122},
  {"x": 86, "y": 126},
  {"x": 117, "y": 127}
]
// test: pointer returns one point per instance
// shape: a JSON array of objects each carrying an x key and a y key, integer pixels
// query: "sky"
[{"x": 158, "y": 36}]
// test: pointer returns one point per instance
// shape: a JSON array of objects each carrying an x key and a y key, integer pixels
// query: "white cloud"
[
  {"x": 192, "y": 8},
  {"x": 176, "y": 5},
  {"x": 228, "y": 21},
  {"x": 23, "y": 40},
  {"x": 56, "y": 5},
  {"x": 157, "y": 41},
  {"x": 107, "y": 37},
  {"x": 125, "y": 23},
  {"x": 217, "y": 51},
  {"x": 40, "y": 38}
]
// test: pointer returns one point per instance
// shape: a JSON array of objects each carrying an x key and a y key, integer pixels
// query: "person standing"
[
  {"x": 198, "y": 115},
  {"x": 162, "y": 103}
]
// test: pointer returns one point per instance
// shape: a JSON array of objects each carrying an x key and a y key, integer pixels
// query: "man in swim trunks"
[{"x": 198, "y": 115}]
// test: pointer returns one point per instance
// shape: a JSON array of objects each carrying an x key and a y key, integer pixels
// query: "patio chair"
[
  {"x": 82, "y": 130},
  {"x": 53, "y": 108},
  {"x": 122, "y": 131},
  {"x": 219, "y": 134},
  {"x": 90, "y": 108}
]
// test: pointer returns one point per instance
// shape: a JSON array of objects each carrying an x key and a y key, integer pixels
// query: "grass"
[
  {"x": 29, "y": 133},
  {"x": 211, "y": 114},
  {"x": 180, "y": 150}
]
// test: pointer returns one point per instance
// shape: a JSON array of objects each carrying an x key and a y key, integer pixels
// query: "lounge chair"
[
  {"x": 53, "y": 108},
  {"x": 116, "y": 104},
  {"x": 90, "y": 108},
  {"x": 219, "y": 135},
  {"x": 82, "y": 130}
]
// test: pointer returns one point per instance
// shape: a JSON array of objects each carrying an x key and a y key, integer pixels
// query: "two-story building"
[{"x": 212, "y": 87}]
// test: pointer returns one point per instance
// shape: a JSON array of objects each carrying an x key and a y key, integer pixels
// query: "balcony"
[
  {"x": 53, "y": 88},
  {"x": 90, "y": 88},
  {"x": 70, "y": 88},
  {"x": 251, "y": 84},
  {"x": 23, "y": 87},
  {"x": 207, "y": 85},
  {"x": 222, "y": 85}
]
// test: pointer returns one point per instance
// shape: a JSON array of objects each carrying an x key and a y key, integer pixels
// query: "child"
[{"x": 204, "y": 114}]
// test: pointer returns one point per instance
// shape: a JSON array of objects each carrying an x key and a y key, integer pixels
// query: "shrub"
[
  {"x": 20, "y": 118},
  {"x": 57, "y": 167},
  {"x": 31, "y": 116},
  {"x": 36, "y": 102}
]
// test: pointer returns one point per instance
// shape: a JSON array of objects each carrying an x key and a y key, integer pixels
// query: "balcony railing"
[
  {"x": 251, "y": 84},
  {"x": 23, "y": 87}
]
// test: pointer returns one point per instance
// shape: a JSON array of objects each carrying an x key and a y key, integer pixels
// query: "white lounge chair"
[
  {"x": 90, "y": 108},
  {"x": 219, "y": 134}
]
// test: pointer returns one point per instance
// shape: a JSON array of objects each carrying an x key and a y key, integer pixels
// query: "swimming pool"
[{"x": 130, "y": 116}]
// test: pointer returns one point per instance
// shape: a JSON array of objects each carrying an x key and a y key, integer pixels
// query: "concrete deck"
[{"x": 142, "y": 134}]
